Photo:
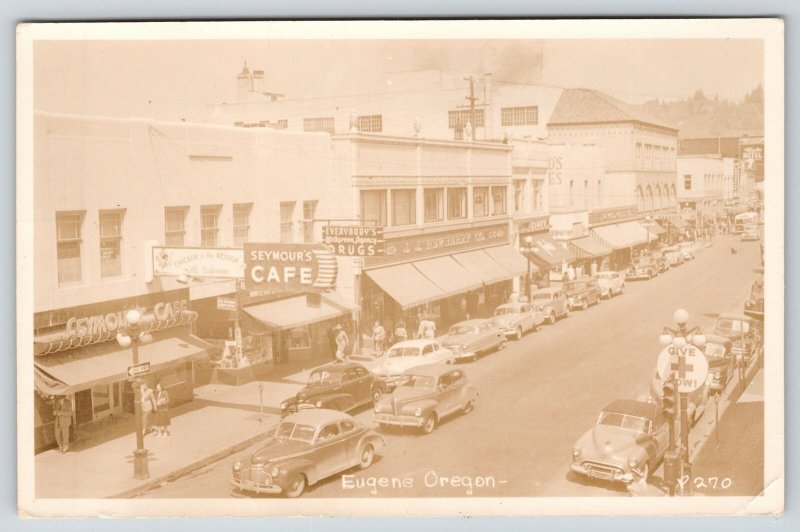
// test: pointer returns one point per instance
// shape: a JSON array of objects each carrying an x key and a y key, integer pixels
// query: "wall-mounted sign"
[
  {"x": 226, "y": 303},
  {"x": 202, "y": 262},
  {"x": 611, "y": 215},
  {"x": 429, "y": 245},
  {"x": 289, "y": 267},
  {"x": 535, "y": 225},
  {"x": 114, "y": 321},
  {"x": 355, "y": 240}
]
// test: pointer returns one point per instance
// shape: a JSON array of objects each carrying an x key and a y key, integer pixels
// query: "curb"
[{"x": 174, "y": 475}]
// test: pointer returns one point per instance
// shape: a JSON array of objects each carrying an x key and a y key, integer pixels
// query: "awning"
[
  {"x": 295, "y": 311},
  {"x": 483, "y": 266},
  {"x": 611, "y": 236},
  {"x": 634, "y": 232},
  {"x": 511, "y": 259},
  {"x": 552, "y": 252},
  {"x": 589, "y": 248},
  {"x": 80, "y": 369},
  {"x": 406, "y": 285},
  {"x": 678, "y": 223},
  {"x": 448, "y": 275},
  {"x": 655, "y": 229}
]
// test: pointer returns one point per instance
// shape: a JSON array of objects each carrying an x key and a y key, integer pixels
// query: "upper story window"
[
  {"x": 537, "y": 194},
  {"x": 499, "y": 203},
  {"x": 459, "y": 119},
  {"x": 318, "y": 124},
  {"x": 175, "y": 226},
  {"x": 241, "y": 223},
  {"x": 209, "y": 225},
  {"x": 434, "y": 204},
  {"x": 480, "y": 201},
  {"x": 519, "y": 195},
  {"x": 404, "y": 207},
  {"x": 309, "y": 212},
  {"x": 69, "y": 227},
  {"x": 456, "y": 203},
  {"x": 373, "y": 207},
  {"x": 687, "y": 182},
  {"x": 519, "y": 116},
  {"x": 370, "y": 123},
  {"x": 111, "y": 243},
  {"x": 638, "y": 155},
  {"x": 287, "y": 221}
]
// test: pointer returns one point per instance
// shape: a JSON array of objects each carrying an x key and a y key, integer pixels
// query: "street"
[{"x": 536, "y": 396}]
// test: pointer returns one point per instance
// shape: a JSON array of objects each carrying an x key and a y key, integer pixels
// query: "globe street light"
[
  {"x": 132, "y": 335},
  {"x": 526, "y": 250}
]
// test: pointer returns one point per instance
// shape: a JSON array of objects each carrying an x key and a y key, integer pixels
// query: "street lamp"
[
  {"x": 132, "y": 335},
  {"x": 526, "y": 250}
]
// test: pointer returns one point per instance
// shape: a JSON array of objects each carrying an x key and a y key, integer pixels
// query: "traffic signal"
[{"x": 668, "y": 398}]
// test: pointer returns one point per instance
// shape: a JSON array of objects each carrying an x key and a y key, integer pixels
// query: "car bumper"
[
  {"x": 602, "y": 473},
  {"x": 458, "y": 353},
  {"x": 400, "y": 421},
  {"x": 249, "y": 486}
]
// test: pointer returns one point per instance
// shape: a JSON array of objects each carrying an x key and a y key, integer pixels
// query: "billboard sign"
[
  {"x": 272, "y": 267},
  {"x": 224, "y": 263},
  {"x": 354, "y": 240}
]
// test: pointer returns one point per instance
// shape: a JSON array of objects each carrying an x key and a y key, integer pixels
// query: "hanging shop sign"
[
  {"x": 354, "y": 240},
  {"x": 227, "y": 303},
  {"x": 289, "y": 267},
  {"x": 224, "y": 263}
]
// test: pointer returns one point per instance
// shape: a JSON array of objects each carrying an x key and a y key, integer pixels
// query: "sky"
[{"x": 173, "y": 80}]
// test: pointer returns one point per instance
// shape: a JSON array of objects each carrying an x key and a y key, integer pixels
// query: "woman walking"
[
  {"x": 162, "y": 412},
  {"x": 148, "y": 402}
]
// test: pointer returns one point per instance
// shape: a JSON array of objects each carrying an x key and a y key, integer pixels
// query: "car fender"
[
  {"x": 341, "y": 399},
  {"x": 294, "y": 466},
  {"x": 427, "y": 406},
  {"x": 376, "y": 440},
  {"x": 470, "y": 392}
]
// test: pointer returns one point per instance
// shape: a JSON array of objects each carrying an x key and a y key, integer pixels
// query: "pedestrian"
[
  {"x": 341, "y": 344},
  {"x": 427, "y": 329},
  {"x": 63, "y": 420},
  {"x": 400, "y": 331},
  {"x": 331, "y": 337},
  {"x": 379, "y": 337},
  {"x": 162, "y": 413},
  {"x": 148, "y": 403}
]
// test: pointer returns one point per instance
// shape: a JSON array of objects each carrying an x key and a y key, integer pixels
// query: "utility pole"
[{"x": 471, "y": 99}]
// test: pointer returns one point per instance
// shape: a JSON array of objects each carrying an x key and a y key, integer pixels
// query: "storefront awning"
[
  {"x": 295, "y": 311},
  {"x": 448, "y": 275},
  {"x": 611, "y": 236},
  {"x": 678, "y": 223},
  {"x": 655, "y": 229},
  {"x": 406, "y": 285},
  {"x": 511, "y": 259},
  {"x": 589, "y": 248},
  {"x": 634, "y": 232},
  {"x": 85, "y": 367},
  {"x": 550, "y": 251},
  {"x": 483, "y": 266}
]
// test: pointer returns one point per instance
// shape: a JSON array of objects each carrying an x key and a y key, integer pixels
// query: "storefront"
[
  {"x": 678, "y": 229},
  {"x": 76, "y": 355},
  {"x": 553, "y": 259},
  {"x": 591, "y": 255},
  {"x": 445, "y": 276},
  {"x": 626, "y": 239}
]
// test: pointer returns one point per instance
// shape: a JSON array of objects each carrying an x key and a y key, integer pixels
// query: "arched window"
[
  {"x": 648, "y": 199},
  {"x": 658, "y": 203},
  {"x": 639, "y": 198}
]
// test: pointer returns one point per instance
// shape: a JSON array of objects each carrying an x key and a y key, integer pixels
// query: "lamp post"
[
  {"x": 132, "y": 335},
  {"x": 526, "y": 250}
]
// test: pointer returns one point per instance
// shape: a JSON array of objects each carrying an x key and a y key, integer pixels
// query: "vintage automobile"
[
  {"x": 750, "y": 232},
  {"x": 642, "y": 268},
  {"x": 687, "y": 248},
  {"x": 470, "y": 338},
  {"x": 515, "y": 319},
  {"x": 409, "y": 354},
  {"x": 611, "y": 283},
  {"x": 743, "y": 333},
  {"x": 674, "y": 255},
  {"x": 551, "y": 302},
  {"x": 306, "y": 447},
  {"x": 582, "y": 292},
  {"x": 629, "y": 439},
  {"x": 662, "y": 264},
  {"x": 425, "y": 396},
  {"x": 721, "y": 361},
  {"x": 342, "y": 386},
  {"x": 754, "y": 307}
]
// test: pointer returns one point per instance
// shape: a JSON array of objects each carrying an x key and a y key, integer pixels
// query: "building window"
[
  {"x": 599, "y": 191},
  {"x": 209, "y": 225},
  {"x": 110, "y": 243},
  {"x": 538, "y": 185},
  {"x": 175, "y": 225},
  {"x": 373, "y": 207},
  {"x": 370, "y": 123},
  {"x": 434, "y": 204},
  {"x": 318, "y": 124},
  {"x": 519, "y": 195},
  {"x": 519, "y": 116},
  {"x": 68, "y": 242},
  {"x": 241, "y": 223},
  {"x": 571, "y": 193},
  {"x": 459, "y": 119},
  {"x": 499, "y": 204},
  {"x": 638, "y": 155},
  {"x": 456, "y": 203},
  {"x": 309, "y": 212},
  {"x": 687, "y": 182},
  {"x": 287, "y": 221},
  {"x": 404, "y": 207},
  {"x": 480, "y": 201}
]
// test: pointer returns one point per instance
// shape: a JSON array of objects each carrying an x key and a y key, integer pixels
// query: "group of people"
[
  {"x": 382, "y": 339},
  {"x": 155, "y": 411}
]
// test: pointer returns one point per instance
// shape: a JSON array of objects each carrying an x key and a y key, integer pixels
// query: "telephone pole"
[{"x": 471, "y": 99}]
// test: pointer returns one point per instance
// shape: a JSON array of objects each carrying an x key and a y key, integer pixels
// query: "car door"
[
  {"x": 330, "y": 451},
  {"x": 429, "y": 354},
  {"x": 438, "y": 354},
  {"x": 362, "y": 385},
  {"x": 351, "y": 434},
  {"x": 448, "y": 391}
]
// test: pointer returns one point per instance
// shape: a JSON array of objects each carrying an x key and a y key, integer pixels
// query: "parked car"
[
  {"x": 582, "y": 292},
  {"x": 611, "y": 283},
  {"x": 743, "y": 333},
  {"x": 337, "y": 386},
  {"x": 750, "y": 232},
  {"x": 721, "y": 361},
  {"x": 754, "y": 307},
  {"x": 468, "y": 339},
  {"x": 642, "y": 268},
  {"x": 629, "y": 435},
  {"x": 687, "y": 248},
  {"x": 674, "y": 255},
  {"x": 409, "y": 354},
  {"x": 662, "y": 264},
  {"x": 306, "y": 447},
  {"x": 425, "y": 396},
  {"x": 515, "y": 319},
  {"x": 551, "y": 302}
]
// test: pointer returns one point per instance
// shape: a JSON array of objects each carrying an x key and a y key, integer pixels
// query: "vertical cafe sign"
[{"x": 289, "y": 267}]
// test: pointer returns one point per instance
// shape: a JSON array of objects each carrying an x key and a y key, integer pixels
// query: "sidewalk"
[{"x": 220, "y": 421}]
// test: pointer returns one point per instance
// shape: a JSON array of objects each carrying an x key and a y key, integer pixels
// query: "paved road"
[{"x": 537, "y": 396}]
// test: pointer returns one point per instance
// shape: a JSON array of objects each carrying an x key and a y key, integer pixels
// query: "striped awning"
[{"x": 589, "y": 248}]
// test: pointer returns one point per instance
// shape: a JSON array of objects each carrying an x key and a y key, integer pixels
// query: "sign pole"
[{"x": 686, "y": 467}]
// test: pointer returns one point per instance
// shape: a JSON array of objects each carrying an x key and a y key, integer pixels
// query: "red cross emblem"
[{"x": 681, "y": 367}]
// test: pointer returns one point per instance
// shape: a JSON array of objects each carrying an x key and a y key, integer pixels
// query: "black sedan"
[{"x": 342, "y": 386}]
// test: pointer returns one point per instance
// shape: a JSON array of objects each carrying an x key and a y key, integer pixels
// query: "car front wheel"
[
  {"x": 297, "y": 485},
  {"x": 551, "y": 319},
  {"x": 518, "y": 333},
  {"x": 429, "y": 424},
  {"x": 367, "y": 456}
]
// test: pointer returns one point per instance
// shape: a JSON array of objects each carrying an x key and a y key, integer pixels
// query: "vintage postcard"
[{"x": 453, "y": 268}]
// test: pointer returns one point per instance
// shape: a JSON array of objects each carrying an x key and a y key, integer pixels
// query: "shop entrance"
[{"x": 83, "y": 406}]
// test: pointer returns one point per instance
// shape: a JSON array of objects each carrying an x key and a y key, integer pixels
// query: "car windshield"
[
  {"x": 715, "y": 350},
  {"x": 623, "y": 421},
  {"x": 726, "y": 324},
  {"x": 502, "y": 311},
  {"x": 295, "y": 431},
  {"x": 403, "y": 352},
  {"x": 542, "y": 295},
  {"x": 457, "y": 330},
  {"x": 419, "y": 381},
  {"x": 325, "y": 377}
]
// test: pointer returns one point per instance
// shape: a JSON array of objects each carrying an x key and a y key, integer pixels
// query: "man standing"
[
  {"x": 341, "y": 344},
  {"x": 379, "y": 337},
  {"x": 63, "y": 420},
  {"x": 427, "y": 329},
  {"x": 331, "y": 337}
]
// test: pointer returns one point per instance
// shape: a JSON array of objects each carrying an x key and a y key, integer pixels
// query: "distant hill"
[{"x": 701, "y": 116}]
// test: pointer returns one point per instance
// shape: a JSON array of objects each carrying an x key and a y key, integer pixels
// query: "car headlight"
[
  {"x": 284, "y": 405},
  {"x": 275, "y": 472},
  {"x": 633, "y": 463},
  {"x": 418, "y": 412},
  {"x": 576, "y": 452},
  {"x": 237, "y": 465},
  {"x": 318, "y": 404}
]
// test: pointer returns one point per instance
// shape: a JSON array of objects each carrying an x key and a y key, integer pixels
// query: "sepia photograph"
[{"x": 400, "y": 268}]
